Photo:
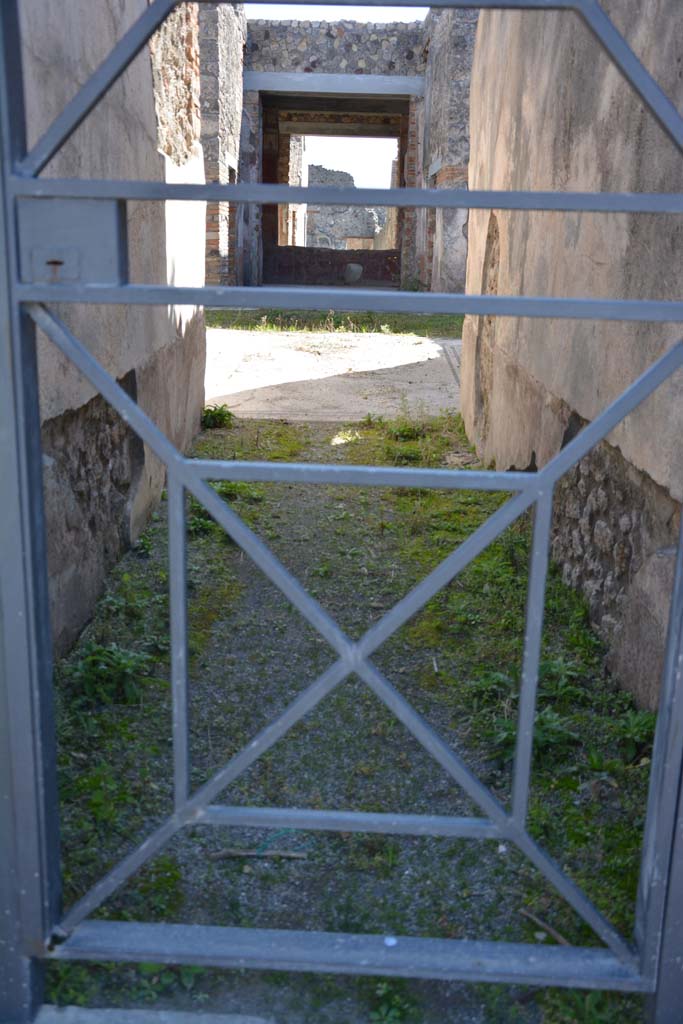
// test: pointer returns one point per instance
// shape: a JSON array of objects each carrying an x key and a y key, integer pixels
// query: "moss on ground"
[{"x": 458, "y": 661}]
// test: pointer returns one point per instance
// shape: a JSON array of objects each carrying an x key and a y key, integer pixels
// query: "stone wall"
[
  {"x": 100, "y": 482},
  {"x": 301, "y": 265},
  {"x": 527, "y": 385},
  {"x": 330, "y": 227},
  {"x": 249, "y": 241},
  {"x": 222, "y": 34},
  {"x": 343, "y": 46},
  {"x": 449, "y": 39}
]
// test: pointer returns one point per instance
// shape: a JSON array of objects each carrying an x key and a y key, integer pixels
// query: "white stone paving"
[{"x": 330, "y": 376}]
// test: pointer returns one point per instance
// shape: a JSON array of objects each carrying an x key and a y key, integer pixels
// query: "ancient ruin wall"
[
  {"x": 348, "y": 47},
  {"x": 99, "y": 481},
  {"x": 528, "y": 385},
  {"x": 331, "y": 226},
  {"x": 222, "y": 34},
  {"x": 449, "y": 39}
]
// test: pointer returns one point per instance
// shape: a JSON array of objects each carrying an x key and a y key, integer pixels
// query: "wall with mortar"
[
  {"x": 100, "y": 482},
  {"x": 527, "y": 386},
  {"x": 222, "y": 35},
  {"x": 330, "y": 226},
  {"x": 342, "y": 47}
]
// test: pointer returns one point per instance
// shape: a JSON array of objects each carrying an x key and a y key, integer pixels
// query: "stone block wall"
[
  {"x": 349, "y": 47},
  {"x": 222, "y": 35},
  {"x": 330, "y": 227},
  {"x": 100, "y": 482},
  {"x": 528, "y": 385}
]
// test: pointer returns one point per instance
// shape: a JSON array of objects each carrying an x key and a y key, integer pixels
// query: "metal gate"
[{"x": 32, "y": 927}]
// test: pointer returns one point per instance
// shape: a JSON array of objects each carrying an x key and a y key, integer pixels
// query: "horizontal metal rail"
[
  {"x": 356, "y": 299},
  {"x": 396, "y": 955},
  {"x": 353, "y": 657},
  {"x": 333, "y": 84},
  {"x": 361, "y": 476},
  {"x": 351, "y": 821},
  {"x": 130, "y": 45},
  {"x": 324, "y": 195}
]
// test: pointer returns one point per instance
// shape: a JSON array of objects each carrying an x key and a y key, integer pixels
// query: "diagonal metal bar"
[
  {"x": 193, "y": 809},
  {"x": 594, "y": 432},
  {"x": 535, "y": 608},
  {"x": 412, "y": 198},
  {"x": 354, "y": 299},
  {"x": 95, "y": 88},
  {"x": 162, "y": 447},
  {"x": 433, "y": 743},
  {"x": 353, "y": 655},
  {"x": 445, "y": 572},
  {"x": 491, "y": 807},
  {"x": 621, "y": 54},
  {"x": 177, "y": 556},
  {"x": 574, "y": 896}
]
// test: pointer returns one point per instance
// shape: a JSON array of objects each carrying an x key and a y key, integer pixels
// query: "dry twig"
[
  {"x": 552, "y": 932},
  {"x": 236, "y": 851}
]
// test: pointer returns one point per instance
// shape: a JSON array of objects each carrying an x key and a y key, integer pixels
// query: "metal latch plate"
[{"x": 64, "y": 241}]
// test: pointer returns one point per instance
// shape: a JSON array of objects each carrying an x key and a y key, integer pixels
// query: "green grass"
[{"x": 436, "y": 325}]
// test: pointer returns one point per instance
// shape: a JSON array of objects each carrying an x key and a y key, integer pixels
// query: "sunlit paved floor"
[{"x": 330, "y": 376}]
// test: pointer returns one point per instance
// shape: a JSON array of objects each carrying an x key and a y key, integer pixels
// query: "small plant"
[
  {"x": 392, "y": 1005},
  {"x": 108, "y": 675},
  {"x": 551, "y": 735},
  {"x": 143, "y": 546},
  {"x": 405, "y": 430},
  {"x": 634, "y": 731},
  {"x": 215, "y": 416}
]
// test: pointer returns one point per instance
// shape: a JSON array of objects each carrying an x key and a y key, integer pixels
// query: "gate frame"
[{"x": 31, "y": 930}]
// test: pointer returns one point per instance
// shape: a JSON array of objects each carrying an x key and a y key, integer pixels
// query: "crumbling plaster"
[
  {"x": 159, "y": 353},
  {"x": 575, "y": 125}
]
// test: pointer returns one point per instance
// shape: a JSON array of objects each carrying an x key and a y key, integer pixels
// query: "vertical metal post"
[
  {"x": 659, "y": 927},
  {"x": 666, "y": 1006},
  {"x": 177, "y": 557},
  {"x": 29, "y": 849}
]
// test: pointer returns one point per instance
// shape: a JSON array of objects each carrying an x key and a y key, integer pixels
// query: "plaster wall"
[
  {"x": 100, "y": 482},
  {"x": 528, "y": 385}
]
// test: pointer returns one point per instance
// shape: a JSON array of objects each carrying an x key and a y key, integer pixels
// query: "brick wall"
[{"x": 300, "y": 265}]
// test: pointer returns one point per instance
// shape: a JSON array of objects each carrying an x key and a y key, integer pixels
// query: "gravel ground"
[{"x": 251, "y": 655}]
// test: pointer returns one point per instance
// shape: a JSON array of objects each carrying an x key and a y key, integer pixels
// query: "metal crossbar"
[
  {"x": 354, "y": 657},
  {"x": 39, "y": 932}
]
